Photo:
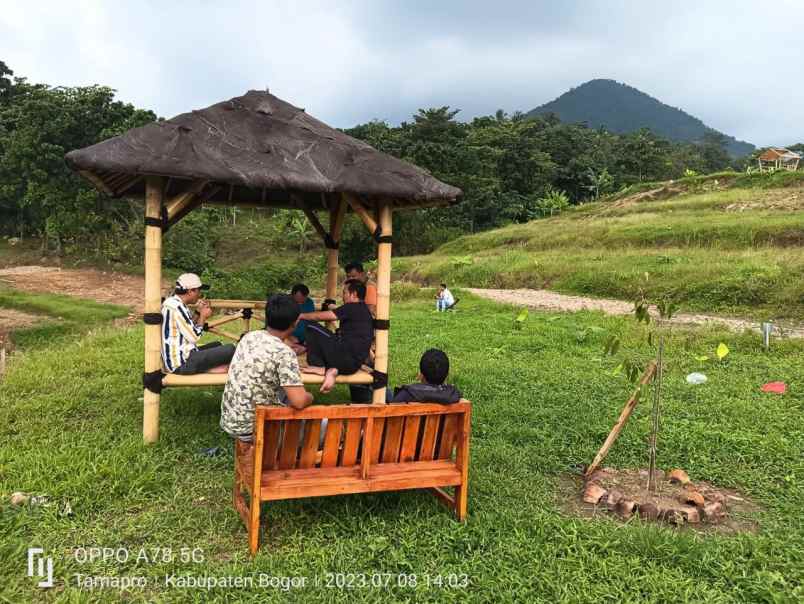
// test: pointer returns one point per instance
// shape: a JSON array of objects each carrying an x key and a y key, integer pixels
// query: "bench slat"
[
  {"x": 449, "y": 433},
  {"x": 352, "y": 411},
  {"x": 376, "y": 446},
  {"x": 351, "y": 442},
  {"x": 312, "y": 433},
  {"x": 427, "y": 449},
  {"x": 410, "y": 438},
  {"x": 385, "y": 477},
  {"x": 270, "y": 447},
  {"x": 332, "y": 442},
  {"x": 393, "y": 438},
  {"x": 290, "y": 445}
]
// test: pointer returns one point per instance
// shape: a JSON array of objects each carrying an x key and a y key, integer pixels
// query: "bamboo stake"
[
  {"x": 335, "y": 228},
  {"x": 654, "y": 431},
  {"x": 383, "y": 297},
  {"x": 153, "y": 304},
  {"x": 361, "y": 211},
  {"x": 650, "y": 370}
]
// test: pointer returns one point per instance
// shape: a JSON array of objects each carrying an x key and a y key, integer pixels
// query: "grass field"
[
  {"x": 544, "y": 399},
  {"x": 738, "y": 251},
  {"x": 63, "y": 317}
]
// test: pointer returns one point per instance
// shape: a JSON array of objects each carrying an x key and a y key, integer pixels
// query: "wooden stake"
[
  {"x": 650, "y": 370},
  {"x": 383, "y": 297},
  {"x": 153, "y": 304}
]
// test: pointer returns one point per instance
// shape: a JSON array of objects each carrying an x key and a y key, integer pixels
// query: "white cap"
[{"x": 189, "y": 281}]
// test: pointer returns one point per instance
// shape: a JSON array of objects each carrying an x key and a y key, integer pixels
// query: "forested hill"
[{"x": 622, "y": 109}]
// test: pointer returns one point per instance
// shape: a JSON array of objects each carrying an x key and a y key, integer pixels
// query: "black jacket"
[{"x": 427, "y": 393}]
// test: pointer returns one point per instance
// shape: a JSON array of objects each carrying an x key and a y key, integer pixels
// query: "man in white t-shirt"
[{"x": 444, "y": 299}]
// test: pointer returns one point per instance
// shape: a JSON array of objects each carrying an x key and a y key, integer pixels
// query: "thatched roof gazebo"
[
  {"x": 256, "y": 150},
  {"x": 777, "y": 158}
]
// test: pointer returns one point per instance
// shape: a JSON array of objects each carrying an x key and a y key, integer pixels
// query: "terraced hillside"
[{"x": 713, "y": 244}]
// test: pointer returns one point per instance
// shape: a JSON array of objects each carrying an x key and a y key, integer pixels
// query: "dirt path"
[
  {"x": 102, "y": 286},
  {"x": 127, "y": 290},
  {"x": 92, "y": 284},
  {"x": 548, "y": 300}
]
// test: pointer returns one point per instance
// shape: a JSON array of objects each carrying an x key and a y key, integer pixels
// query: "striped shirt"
[{"x": 179, "y": 333}]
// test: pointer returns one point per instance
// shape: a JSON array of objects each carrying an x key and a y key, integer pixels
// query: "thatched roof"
[{"x": 260, "y": 149}]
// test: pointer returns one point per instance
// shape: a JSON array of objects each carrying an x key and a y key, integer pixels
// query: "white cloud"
[{"x": 733, "y": 64}]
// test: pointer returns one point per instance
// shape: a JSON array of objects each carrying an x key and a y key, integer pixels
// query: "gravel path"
[{"x": 548, "y": 300}]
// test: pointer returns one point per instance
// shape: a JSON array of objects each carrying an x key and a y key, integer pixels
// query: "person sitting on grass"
[
  {"x": 444, "y": 298},
  {"x": 263, "y": 371},
  {"x": 433, "y": 371},
  {"x": 180, "y": 332},
  {"x": 301, "y": 294},
  {"x": 343, "y": 352},
  {"x": 355, "y": 270}
]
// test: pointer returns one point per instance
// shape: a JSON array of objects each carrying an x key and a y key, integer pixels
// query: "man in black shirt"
[
  {"x": 433, "y": 371},
  {"x": 346, "y": 350}
]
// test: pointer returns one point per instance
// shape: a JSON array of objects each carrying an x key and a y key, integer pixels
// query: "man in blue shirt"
[{"x": 301, "y": 295}]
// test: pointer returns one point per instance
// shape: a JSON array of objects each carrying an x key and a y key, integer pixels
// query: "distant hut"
[{"x": 777, "y": 158}]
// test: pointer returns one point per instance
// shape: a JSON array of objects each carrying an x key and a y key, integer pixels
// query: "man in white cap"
[{"x": 180, "y": 353}]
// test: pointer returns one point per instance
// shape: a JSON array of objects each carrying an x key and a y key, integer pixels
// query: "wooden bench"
[{"x": 366, "y": 449}]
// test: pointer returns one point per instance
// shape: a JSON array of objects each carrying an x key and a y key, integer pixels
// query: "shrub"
[
  {"x": 256, "y": 282},
  {"x": 554, "y": 201},
  {"x": 190, "y": 244},
  {"x": 403, "y": 291}
]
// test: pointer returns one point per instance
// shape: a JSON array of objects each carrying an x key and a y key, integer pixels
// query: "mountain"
[{"x": 622, "y": 108}]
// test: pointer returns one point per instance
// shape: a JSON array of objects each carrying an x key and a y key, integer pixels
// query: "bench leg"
[
  {"x": 254, "y": 525},
  {"x": 461, "y": 501}
]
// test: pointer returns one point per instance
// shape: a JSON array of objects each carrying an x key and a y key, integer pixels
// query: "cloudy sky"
[{"x": 734, "y": 64}]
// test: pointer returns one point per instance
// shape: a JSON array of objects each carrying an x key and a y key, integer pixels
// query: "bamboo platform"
[{"x": 173, "y": 380}]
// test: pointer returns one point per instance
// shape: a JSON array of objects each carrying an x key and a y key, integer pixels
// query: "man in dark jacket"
[
  {"x": 343, "y": 352},
  {"x": 433, "y": 371}
]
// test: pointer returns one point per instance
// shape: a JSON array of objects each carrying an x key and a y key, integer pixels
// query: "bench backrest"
[{"x": 361, "y": 435}]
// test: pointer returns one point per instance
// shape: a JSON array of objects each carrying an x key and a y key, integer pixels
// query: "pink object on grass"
[{"x": 777, "y": 387}]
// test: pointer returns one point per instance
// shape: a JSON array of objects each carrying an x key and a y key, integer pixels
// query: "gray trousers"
[{"x": 206, "y": 357}]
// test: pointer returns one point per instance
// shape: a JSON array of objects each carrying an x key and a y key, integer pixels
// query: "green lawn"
[
  {"x": 63, "y": 317},
  {"x": 544, "y": 400},
  {"x": 737, "y": 251}
]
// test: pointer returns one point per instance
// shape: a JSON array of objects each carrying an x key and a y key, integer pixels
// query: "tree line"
[{"x": 511, "y": 168}]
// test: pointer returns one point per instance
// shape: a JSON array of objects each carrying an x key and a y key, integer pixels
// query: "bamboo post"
[
  {"x": 153, "y": 303},
  {"x": 383, "y": 296},
  {"x": 624, "y": 415},
  {"x": 361, "y": 211},
  {"x": 336, "y": 217}
]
